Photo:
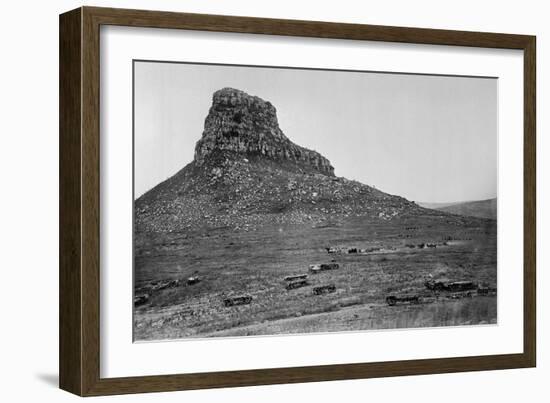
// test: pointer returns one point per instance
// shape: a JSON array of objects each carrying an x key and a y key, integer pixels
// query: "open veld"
[
  {"x": 257, "y": 235},
  {"x": 392, "y": 258}
]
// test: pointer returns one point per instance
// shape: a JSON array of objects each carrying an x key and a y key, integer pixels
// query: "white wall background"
[{"x": 29, "y": 199}]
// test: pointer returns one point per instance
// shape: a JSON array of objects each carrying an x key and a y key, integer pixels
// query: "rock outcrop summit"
[{"x": 248, "y": 125}]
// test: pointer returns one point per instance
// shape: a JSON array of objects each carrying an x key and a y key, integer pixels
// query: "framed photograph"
[{"x": 249, "y": 201}]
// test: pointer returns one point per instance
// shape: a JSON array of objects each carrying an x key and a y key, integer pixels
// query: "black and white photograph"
[{"x": 276, "y": 200}]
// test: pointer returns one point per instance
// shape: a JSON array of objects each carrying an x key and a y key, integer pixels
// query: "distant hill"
[{"x": 478, "y": 208}]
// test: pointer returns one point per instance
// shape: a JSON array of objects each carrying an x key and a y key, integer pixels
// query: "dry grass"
[{"x": 255, "y": 263}]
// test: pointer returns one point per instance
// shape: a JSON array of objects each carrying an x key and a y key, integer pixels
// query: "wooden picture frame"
[{"x": 79, "y": 347}]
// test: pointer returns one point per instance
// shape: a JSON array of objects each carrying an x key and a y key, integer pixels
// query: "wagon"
[
  {"x": 461, "y": 286},
  {"x": 316, "y": 268},
  {"x": 296, "y": 284},
  {"x": 141, "y": 299},
  {"x": 164, "y": 284},
  {"x": 450, "y": 286},
  {"x": 484, "y": 290},
  {"x": 296, "y": 277},
  {"x": 240, "y": 300},
  {"x": 324, "y": 289},
  {"x": 392, "y": 300},
  {"x": 193, "y": 280}
]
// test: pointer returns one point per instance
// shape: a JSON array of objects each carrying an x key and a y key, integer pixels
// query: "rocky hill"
[{"x": 246, "y": 173}]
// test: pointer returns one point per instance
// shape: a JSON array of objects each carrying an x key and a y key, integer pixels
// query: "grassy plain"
[{"x": 254, "y": 262}]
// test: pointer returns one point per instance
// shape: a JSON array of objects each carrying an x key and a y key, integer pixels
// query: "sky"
[{"x": 426, "y": 138}]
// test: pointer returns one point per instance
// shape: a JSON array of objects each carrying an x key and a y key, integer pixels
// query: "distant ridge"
[{"x": 477, "y": 208}]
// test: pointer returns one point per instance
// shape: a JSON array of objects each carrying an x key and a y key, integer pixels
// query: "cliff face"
[{"x": 245, "y": 124}]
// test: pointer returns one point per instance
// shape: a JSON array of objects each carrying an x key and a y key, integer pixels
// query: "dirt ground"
[{"x": 232, "y": 263}]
